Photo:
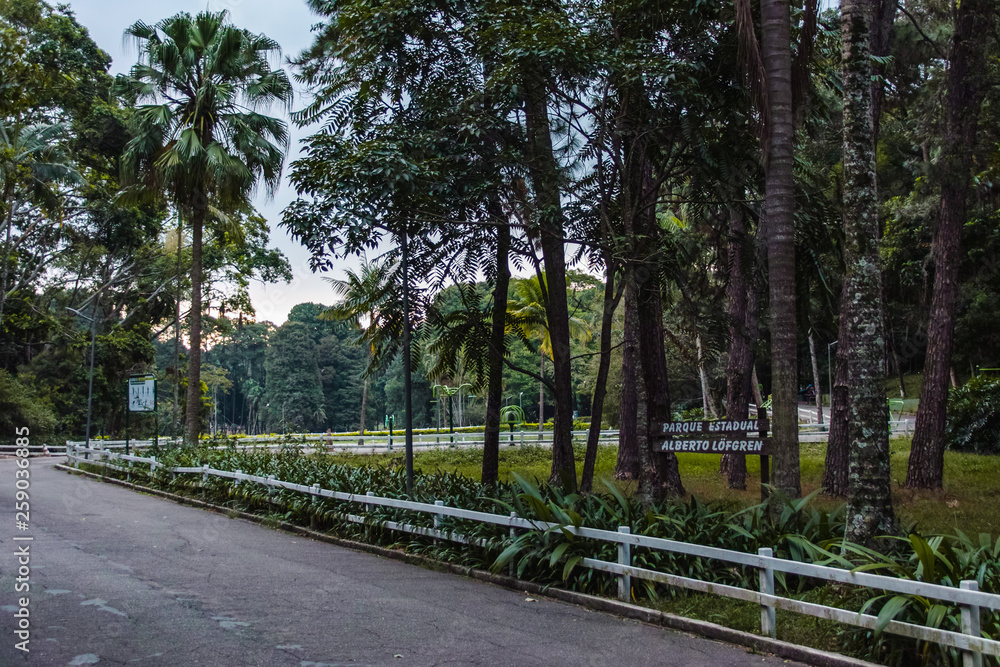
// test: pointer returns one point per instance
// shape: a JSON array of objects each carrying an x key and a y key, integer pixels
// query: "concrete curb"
[{"x": 757, "y": 643}]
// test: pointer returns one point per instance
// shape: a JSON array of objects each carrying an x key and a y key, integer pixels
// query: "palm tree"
[
  {"x": 527, "y": 309},
  {"x": 780, "y": 206},
  {"x": 370, "y": 293},
  {"x": 869, "y": 493},
  {"x": 199, "y": 137}
]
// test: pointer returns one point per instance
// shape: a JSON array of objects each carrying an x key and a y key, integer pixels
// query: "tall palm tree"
[
  {"x": 528, "y": 311},
  {"x": 198, "y": 134},
  {"x": 370, "y": 294},
  {"x": 779, "y": 205}
]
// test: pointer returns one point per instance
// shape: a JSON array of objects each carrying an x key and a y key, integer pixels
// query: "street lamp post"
[{"x": 90, "y": 388}]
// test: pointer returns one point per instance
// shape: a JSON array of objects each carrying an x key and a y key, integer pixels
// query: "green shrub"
[
  {"x": 974, "y": 416},
  {"x": 20, "y": 407}
]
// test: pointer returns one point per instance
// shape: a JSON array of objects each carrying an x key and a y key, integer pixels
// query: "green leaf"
[
  {"x": 571, "y": 563},
  {"x": 890, "y": 611},
  {"x": 557, "y": 553}
]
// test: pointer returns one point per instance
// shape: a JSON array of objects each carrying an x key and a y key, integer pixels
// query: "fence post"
[
  {"x": 438, "y": 517},
  {"x": 513, "y": 536},
  {"x": 314, "y": 490},
  {"x": 204, "y": 475},
  {"x": 237, "y": 481},
  {"x": 624, "y": 558},
  {"x": 270, "y": 486},
  {"x": 971, "y": 619},
  {"x": 152, "y": 468},
  {"x": 767, "y": 620}
]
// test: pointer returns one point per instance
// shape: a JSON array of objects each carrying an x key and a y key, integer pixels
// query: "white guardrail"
[{"x": 966, "y": 596}]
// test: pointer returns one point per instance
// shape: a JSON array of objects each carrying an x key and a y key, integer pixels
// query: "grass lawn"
[{"x": 969, "y": 501}]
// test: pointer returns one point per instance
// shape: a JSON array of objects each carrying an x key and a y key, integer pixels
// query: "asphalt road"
[{"x": 120, "y": 578}]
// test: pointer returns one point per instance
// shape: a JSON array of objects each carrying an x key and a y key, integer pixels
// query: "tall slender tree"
[
  {"x": 869, "y": 495},
  {"x": 199, "y": 135},
  {"x": 967, "y": 61},
  {"x": 779, "y": 209}
]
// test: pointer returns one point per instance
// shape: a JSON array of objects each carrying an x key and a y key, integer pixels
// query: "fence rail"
[{"x": 967, "y": 596}]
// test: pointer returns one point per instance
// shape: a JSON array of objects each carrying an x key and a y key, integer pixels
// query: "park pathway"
[{"x": 122, "y": 578}]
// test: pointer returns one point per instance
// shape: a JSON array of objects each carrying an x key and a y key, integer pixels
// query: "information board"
[{"x": 142, "y": 394}]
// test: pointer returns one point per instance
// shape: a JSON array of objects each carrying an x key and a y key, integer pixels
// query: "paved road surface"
[{"x": 120, "y": 578}]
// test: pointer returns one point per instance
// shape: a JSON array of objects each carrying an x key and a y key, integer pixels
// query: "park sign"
[
  {"x": 142, "y": 393},
  {"x": 716, "y": 437}
]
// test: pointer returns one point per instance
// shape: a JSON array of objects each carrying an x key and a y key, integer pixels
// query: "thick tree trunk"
[
  {"x": 817, "y": 387},
  {"x": 869, "y": 493},
  {"x": 926, "y": 466},
  {"x": 661, "y": 476},
  {"x": 779, "y": 204},
  {"x": 544, "y": 173},
  {"x": 600, "y": 384},
  {"x": 498, "y": 350},
  {"x": 193, "y": 426},
  {"x": 742, "y": 306},
  {"x": 627, "y": 465}
]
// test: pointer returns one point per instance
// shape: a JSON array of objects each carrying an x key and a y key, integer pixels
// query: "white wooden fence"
[
  {"x": 967, "y": 596},
  {"x": 338, "y": 442}
]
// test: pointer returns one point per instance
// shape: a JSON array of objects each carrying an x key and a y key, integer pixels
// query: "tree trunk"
[
  {"x": 835, "y": 467},
  {"x": 541, "y": 395},
  {"x": 742, "y": 332},
  {"x": 817, "y": 387},
  {"x": 965, "y": 95},
  {"x": 498, "y": 350},
  {"x": 707, "y": 407},
  {"x": 600, "y": 385},
  {"x": 544, "y": 173},
  {"x": 9, "y": 199},
  {"x": 869, "y": 492},
  {"x": 177, "y": 332},
  {"x": 364, "y": 406},
  {"x": 193, "y": 429},
  {"x": 779, "y": 205},
  {"x": 660, "y": 473},
  {"x": 627, "y": 465}
]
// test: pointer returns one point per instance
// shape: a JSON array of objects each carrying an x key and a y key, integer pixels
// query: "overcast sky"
[{"x": 289, "y": 24}]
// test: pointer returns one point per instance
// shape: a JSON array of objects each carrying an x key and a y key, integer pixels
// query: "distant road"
[{"x": 120, "y": 578}]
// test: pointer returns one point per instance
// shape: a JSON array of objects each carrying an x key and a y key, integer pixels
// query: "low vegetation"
[{"x": 807, "y": 530}]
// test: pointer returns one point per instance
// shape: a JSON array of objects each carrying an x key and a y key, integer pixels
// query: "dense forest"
[{"x": 681, "y": 203}]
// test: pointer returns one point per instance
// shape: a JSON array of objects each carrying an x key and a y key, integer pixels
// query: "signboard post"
[
  {"x": 141, "y": 398},
  {"x": 721, "y": 437}
]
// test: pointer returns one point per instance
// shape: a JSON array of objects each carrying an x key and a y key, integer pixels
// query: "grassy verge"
[{"x": 968, "y": 501}]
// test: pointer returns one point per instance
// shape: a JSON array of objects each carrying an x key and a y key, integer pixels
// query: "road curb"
[{"x": 706, "y": 629}]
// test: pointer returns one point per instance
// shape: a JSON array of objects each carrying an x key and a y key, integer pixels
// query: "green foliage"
[
  {"x": 974, "y": 416},
  {"x": 936, "y": 559},
  {"x": 294, "y": 391},
  {"x": 19, "y": 407}
]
